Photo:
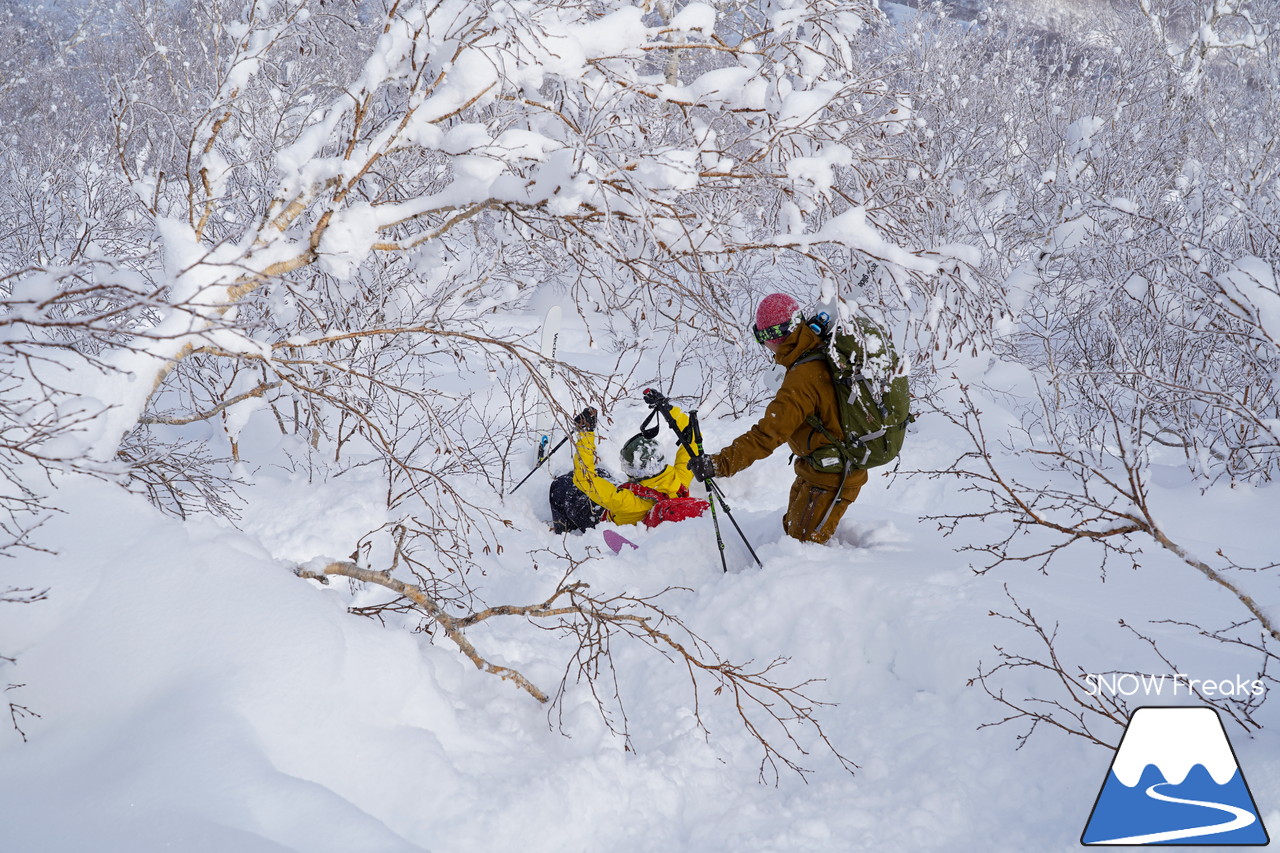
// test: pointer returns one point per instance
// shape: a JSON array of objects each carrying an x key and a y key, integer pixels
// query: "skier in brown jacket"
[{"x": 814, "y": 509}]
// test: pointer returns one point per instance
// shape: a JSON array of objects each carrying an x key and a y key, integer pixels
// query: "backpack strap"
[
  {"x": 819, "y": 354},
  {"x": 847, "y": 447},
  {"x": 835, "y": 498},
  {"x": 811, "y": 355},
  {"x": 857, "y": 376},
  {"x": 844, "y": 448}
]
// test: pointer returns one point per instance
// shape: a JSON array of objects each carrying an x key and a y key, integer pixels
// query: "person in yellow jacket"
[{"x": 654, "y": 491}]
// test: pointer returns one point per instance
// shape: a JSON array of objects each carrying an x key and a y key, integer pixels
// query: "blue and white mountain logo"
[{"x": 1175, "y": 780}]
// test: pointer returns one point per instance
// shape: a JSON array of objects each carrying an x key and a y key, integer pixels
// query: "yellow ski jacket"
[{"x": 623, "y": 506}]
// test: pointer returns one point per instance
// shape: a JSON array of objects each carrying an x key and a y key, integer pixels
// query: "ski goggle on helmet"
[
  {"x": 776, "y": 316},
  {"x": 643, "y": 457}
]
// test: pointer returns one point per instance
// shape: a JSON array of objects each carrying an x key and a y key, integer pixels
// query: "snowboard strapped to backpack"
[{"x": 873, "y": 398}]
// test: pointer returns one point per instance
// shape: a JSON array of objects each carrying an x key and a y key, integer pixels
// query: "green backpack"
[{"x": 873, "y": 399}]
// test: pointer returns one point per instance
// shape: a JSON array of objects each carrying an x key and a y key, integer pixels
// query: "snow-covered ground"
[
  {"x": 195, "y": 695},
  {"x": 182, "y": 688}
]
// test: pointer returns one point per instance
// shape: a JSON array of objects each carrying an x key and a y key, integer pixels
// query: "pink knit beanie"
[{"x": 775, "y": 316}]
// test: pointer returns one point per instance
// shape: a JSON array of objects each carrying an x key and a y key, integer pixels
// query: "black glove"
[
  {"x": 586, "y": 420},
  {"x": 703, "y": 467},
  {"x": 656, "y": 400}
]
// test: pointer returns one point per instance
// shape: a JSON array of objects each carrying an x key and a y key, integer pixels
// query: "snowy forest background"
[{"x": 272, "y": 278}]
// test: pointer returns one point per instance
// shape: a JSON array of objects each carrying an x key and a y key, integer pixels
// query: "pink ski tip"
[{"x": 615, "y": 541}]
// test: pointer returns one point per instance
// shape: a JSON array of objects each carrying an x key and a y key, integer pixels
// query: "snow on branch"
[{"x": 370, "y": 186}]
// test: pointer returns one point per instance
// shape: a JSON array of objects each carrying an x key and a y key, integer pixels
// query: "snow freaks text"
[{"x": 1170, "y": 684}]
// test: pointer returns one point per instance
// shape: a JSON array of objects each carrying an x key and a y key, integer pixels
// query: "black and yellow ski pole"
[
  {"x": 713, "y": 486},
  {"x": 695, "y": 449},
  {"x": 692, "y": 443}
]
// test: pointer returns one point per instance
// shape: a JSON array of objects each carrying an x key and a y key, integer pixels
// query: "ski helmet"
[
  {"x": 775, "y": 317},
  {"x": 642, "y": 457}
]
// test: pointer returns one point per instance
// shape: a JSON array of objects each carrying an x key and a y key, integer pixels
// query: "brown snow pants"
[{"x": 809, "y": 503}]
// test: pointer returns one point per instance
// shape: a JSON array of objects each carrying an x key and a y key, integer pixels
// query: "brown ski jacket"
[{"x": 807, "y": 389}]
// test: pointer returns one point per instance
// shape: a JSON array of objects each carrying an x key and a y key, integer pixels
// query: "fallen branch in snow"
[
  {"x": 1076, "y": 706},
  {"x": 421, "y": 599},
  {"x": 1240, "y": 708},
  {"x": 1073, "y": 713},
  {"x": 23, "y": 595},
  {"x": 20, "y": 595},
  {"x": 1089, "y": 481},
  {"x": 1104, "y": 499},
  {"x": 593, "y": 622}
]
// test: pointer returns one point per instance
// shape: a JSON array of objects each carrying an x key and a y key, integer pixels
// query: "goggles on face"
[{"x": 781, "y": 330}]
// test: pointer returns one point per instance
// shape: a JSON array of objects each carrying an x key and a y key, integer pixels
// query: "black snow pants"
[{"x": 571, "y": 510}]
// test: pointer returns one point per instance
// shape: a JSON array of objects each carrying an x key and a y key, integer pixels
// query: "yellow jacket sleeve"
[{"x": 624, "y": 507}]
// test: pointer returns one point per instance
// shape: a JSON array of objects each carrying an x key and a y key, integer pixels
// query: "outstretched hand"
[
  {"x": 585, "y": 421},
  {"x": 703, "y": 467},
  {"x": 656, "y": 399}
]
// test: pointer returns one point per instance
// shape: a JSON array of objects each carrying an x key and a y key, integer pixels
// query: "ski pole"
[
  {"x": 539, "y": 465},
  {"x": 711, "y": 495},
  {"x": 713, "y": 488}
]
